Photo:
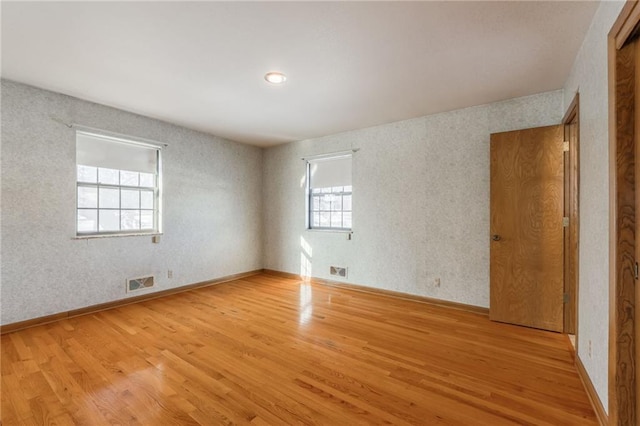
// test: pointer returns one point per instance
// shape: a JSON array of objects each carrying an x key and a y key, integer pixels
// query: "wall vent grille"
[
  {"x": 136, "y": 284},
  {"x": 338, "y": 271}
]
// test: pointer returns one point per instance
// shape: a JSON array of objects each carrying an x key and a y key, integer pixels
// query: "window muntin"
[
  {"x": 110, "y": 200},
  {"x": 330, "y": 208},
  {"x": 330, "y": 193}
]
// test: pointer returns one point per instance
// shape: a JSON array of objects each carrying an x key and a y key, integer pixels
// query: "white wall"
[
  {"x": 421, "y": 201},
  {"x": 589, "y": 77},
  {"x": 212, "y": 208}
]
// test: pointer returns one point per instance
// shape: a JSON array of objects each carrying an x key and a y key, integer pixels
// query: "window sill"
[
  {"x": 339, "y": 231},
  {"x": 136, "y": 234}
]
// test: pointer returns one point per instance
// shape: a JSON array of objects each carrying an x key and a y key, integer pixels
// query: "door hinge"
[
  {"x": 565, "y": 298},
  {"x": 565, "y": 146},
  {"x": 565, "y": 221}
]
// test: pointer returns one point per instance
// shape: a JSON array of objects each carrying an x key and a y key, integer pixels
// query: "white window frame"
[
  {"x": 310, "y": 196},
  {"x": 156, "y": 188}
]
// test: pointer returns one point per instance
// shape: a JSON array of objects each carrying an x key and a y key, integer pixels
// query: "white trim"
[
  {"x": 159, "y": 195},
  {"x": 331, "y": 155},
  {"x": 92, "y": 236},
  {"x": 107, "y": 133},
  {"x": 331, "y": 230},
  {"x": 118, "y": 137}
]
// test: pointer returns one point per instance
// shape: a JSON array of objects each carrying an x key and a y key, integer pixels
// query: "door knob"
[{"x": 496, "y": 237}]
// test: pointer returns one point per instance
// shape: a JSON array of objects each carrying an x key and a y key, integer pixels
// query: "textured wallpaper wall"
[
  {"x": 421, "y": 201},
  {"x": 212, "y": 208},
  {"x": 589, "y": 77}
]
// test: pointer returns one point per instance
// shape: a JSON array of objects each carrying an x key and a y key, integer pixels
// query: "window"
[
  {"x": 117, "y": 186},
  {"x": 330, "y": 193}
]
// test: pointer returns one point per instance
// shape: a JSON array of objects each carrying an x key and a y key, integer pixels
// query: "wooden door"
[
  {"x": 632, "y": 311},
  {"x": 526, "y": 269}
]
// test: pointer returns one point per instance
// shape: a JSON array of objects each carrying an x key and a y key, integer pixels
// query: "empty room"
[{"x": 323, "y": 213}]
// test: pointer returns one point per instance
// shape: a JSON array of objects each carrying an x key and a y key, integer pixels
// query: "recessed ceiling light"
[{"x": 275, "y": 77}]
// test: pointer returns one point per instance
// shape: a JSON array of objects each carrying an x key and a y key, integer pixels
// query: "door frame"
[
  {"x": 572, "y": 234},
  {"x": 622, "y": 212}
]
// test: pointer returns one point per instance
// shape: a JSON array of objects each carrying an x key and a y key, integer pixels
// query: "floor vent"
[
  {"x": 338, "y": 271},
  {"x": 135, "y": 284}
]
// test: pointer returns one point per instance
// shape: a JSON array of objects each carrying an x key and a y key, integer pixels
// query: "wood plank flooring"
[{"x": 270, "y": 350}]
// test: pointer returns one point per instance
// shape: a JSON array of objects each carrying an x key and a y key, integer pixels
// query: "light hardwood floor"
[{"x": 272, "y": 350}]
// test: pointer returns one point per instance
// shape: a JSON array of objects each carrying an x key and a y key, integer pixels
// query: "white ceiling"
[{"x": 350, "y": 64}]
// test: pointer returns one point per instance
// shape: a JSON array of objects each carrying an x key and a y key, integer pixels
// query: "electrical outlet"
[
  {"x": 436, "y": 282},
  {"x": 589, "y": 351},
  {"x": 169, "y": 273}
]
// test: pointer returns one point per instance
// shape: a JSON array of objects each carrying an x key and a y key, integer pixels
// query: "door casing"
[
  {"x": 624, "y": 117},
  {"x": 571, "y": 123}
]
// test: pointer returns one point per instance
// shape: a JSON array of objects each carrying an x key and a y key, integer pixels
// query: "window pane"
[
  {"x": 336, "y": 219},
  {"x": 316, "y": 203},
  {"x": 337, "y": 189},
  {"x": 108, "y": 176},
  {"x": 348, "y": 189},
  {"x": 148, "y": 180},
  {"x": 325, "y": 202},
  {"x": 346, "y": 203},
  {"x": 146, "y": 199},
  {"x": 87, "y": 174},
  {"x": 336, "y": 203},
  {"x": 316, "y": 190},
  {"x": 130, "y": 199},
  {"x": 326, "y": 190},
  {"x": 325, "y": 219},
  {"x": 87, "y": 197},
  {"x": 129, "y": 178},
  {"x": 87, "y": 220},
  {"x": 109, "y": 198},
  {"x": 146, "y": 220},
  {"x": 109, "y": 220},
  {"x": 316, "y": 219},
  {"x": 130, "y": 219},
  {"x": 346, "y": 217}
]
